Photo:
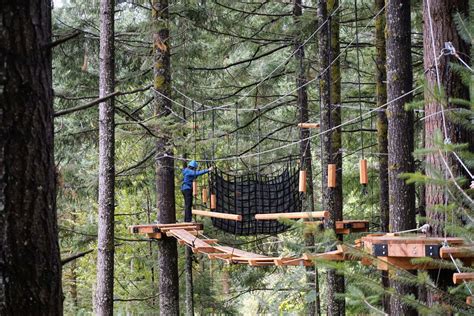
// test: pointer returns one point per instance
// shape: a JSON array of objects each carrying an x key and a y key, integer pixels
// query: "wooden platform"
[
  {"x": 188, "y": 234},
  {"x": 344, "y": 227},
  {"x": 156, "y": 231},
  {"x": 399, "y": 251}
]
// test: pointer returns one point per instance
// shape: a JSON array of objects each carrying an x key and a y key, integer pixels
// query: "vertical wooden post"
[
  {"x": 364, "y": 179},
  {"x": 302, "y": 181},
  {"x": 331, "y": 175},
  {"x": 213, "y": 201}
]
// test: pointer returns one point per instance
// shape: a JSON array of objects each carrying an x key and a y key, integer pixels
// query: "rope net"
[{"x": 251, "y": 194}]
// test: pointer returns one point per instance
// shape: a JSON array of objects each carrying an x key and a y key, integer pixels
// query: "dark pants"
[{"x": 188, "y": 204}]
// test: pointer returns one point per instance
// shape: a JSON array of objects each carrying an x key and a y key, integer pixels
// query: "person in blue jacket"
[{"x": 189, "y": 175}]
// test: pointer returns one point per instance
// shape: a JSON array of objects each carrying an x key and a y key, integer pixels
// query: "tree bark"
[
  {"x": 313, "y": 308},
  {"x": 30, "y": 267},
  {"x": 164, "y": 165},
  {"x": 382, "y": 127},
  {"x": 189, "y": 282},
  {"x": 330, "y": 93},
  {"x": 443, "y": 30},
  {"x": 105, "y": 237},
  {"x": 400, "y": 132}
]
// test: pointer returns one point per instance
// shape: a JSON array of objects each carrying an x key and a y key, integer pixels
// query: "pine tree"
[{"x": 30, "y": 267}]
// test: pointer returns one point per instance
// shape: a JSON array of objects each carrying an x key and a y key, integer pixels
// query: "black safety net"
[{"x": 252, "y": 194}]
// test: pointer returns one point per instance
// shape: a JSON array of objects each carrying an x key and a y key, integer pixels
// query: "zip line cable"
[{"x": 350, "y": 121}]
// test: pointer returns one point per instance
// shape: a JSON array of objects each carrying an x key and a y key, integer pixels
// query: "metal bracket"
[
  {"x": 380, "y": 250},
  {"x": 135, "y": 230},
  {"x": 347, "y": 225},
  {"x": 432, "y": 251}
]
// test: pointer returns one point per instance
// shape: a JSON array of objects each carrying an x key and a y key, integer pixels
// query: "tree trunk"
[
  {"x": 400, "y": 132},
  {"x": 443, "y": 30},
  {"x": 382, "y": 127},
  {"x": 313, "y": 308},
  {"x": 189, "y": 282},
  {"x": 105, "y": 239},
  {"x": 330, "y": 91},
  {"x": 165, "y": 199},
  {"x": 30, "y": 267}
]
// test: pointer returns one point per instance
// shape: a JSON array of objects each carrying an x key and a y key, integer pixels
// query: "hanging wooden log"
[
  {"x": 292, "y": 215},
  {"x": 308, "y": 125},
  {"x": 204, "y": 195},
  {"x": 233, "y": 217},
  {"x": 213, "y": 201},
  {"x": 470, "y": 300},
  {"x": 302, "y": 182},
  {"x": 364, "y": 179},
  {"x": 331, "y": 175},
  {"x": 195, "y": 188}
]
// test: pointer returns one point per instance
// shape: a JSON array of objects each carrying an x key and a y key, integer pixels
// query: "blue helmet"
[{"x": 193, "y": 164}]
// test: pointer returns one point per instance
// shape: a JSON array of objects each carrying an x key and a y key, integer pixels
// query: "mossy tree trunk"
[
  {"x": 400, "y": 134},
  {"x": 164, "y": 166},
  {"x": 105, "y": 239},
  {"x": 30, "y": 267},
  {"x": 313, "y": 308},
  {"x": 443, "y": 30},
  {"x": 382, "y": 127},
  {"x": 330, "y": 94}
]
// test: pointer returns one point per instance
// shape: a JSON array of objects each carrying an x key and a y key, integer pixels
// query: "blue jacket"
[{"x": 189, "y": 176}]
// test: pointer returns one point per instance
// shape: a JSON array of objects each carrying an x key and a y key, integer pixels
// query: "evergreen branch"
[
  {"x": 248, "y": 60},
  {"x": 97, "y": 101},
  {"x": 254, "y": 13},
  {"x": 75, "y": 256},
  {"x": 64, "y": 39}
]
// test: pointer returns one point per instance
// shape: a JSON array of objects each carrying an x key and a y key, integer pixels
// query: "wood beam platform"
[
  {"x": 399, "y": 251},
  {"x": 233, "y": 217},
  {"x": 294, "y": 215},
  {"x": 344, "y": 227},
  {"x": 162, "y": 228}
]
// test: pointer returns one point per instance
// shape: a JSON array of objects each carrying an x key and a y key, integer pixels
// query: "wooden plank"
[
  {"x": 233, "y": 217},
  {"x": 154, "y": 228},
  {"x": 293, "y": 262},
  {"x": 238, "y": 253},
  {"x": 185, "y": 227},
  {"x": 459, "y": 278},
  {"x": 457, "y": 252},
  {"x": 191, "y": 231},
  {"x": 389, "y": 263},
  {"x": 294, "y": 215},
  {"x": 406, "y": 250},
  {"x": 308, "y": 125},
  {"x": 411, "y": 240},
  {"x": 219, "y": 255},
  {"x": 211, "y": 241},
  {"x": 154, "y": 235},
  {"x": 197, "y": 244},
  {"x": 335, "y": 255}
]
